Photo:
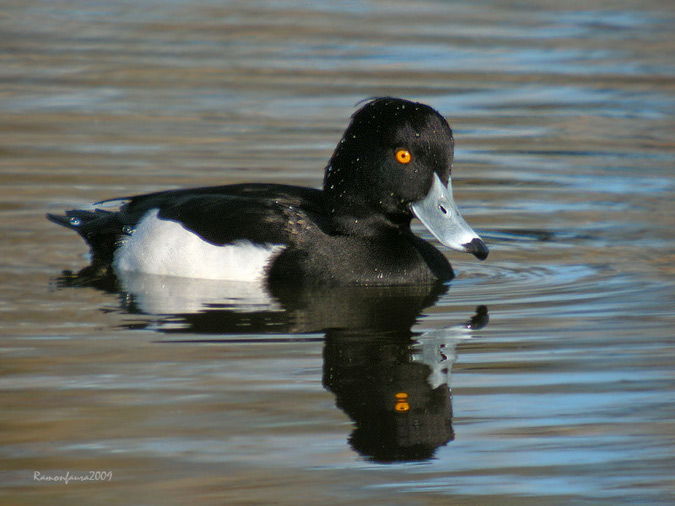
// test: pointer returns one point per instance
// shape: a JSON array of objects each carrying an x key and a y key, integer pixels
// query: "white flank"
[{"x": 165, "y": 247}]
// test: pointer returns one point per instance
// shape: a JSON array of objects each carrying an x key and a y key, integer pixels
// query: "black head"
[{"x": 387, "y": 159}]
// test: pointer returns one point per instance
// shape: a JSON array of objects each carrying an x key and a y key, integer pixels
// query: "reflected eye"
[{"x": 403, "y": 156}]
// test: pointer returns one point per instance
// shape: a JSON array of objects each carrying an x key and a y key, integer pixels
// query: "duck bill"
[{"x": 438, "y": 212}]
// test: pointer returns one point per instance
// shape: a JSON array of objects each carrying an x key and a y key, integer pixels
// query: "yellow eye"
[
  {"x": 403, "y": 156},
  {"x": 402, "y": 400}
]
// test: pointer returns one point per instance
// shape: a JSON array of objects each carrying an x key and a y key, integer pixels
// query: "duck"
[{"x": 392, "y": 164}]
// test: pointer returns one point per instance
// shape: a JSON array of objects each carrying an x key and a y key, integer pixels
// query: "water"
[{"x": 561, "y": 394}]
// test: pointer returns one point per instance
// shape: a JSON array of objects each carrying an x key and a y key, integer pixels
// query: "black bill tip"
[{"x": 477, "y": 248}]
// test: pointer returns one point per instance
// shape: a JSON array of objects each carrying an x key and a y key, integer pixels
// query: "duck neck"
[{"x": 363, "y": 222}]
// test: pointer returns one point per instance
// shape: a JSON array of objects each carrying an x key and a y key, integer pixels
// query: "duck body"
[{"x": 392, "y": 163}]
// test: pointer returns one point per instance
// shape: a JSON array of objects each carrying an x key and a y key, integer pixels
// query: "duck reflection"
[
  {"x": 393, "y": 383},
  {"x": 395, "y": 386}
]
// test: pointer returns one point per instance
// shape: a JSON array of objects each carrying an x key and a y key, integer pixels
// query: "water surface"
[{"x": 541, "y": 376}]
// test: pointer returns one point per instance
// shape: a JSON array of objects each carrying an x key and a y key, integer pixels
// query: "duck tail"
[{"x": 101, "y": 229}]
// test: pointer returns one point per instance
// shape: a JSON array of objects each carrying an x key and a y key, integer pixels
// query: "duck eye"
[{"x": 403, "y": 156}]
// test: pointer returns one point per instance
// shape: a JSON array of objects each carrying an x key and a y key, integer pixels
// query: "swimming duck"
[{"x": 393, "y": 163}]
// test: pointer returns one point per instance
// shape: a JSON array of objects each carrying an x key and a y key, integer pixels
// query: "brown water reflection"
[{"x": 564, "y": 164}]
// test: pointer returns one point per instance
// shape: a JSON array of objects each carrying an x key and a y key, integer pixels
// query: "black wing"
[{"x": 261, "y": 213}]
